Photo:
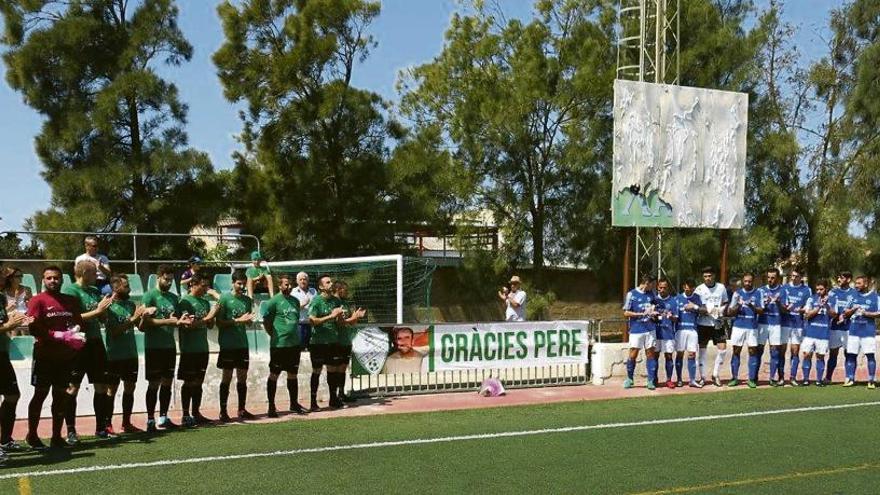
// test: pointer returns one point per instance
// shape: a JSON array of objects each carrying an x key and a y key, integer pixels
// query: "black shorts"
[
  {"x": 305, "y": 334},
  {"x": 8, "y": 380},
  {"x": 346, "y": 353},
  {"x": 284, "y": 359},
  {"x": 125, "y": 370},
  {"x": 52, "y": 372},
  {"x": 229, "y": 359},
  {"x": 92, "y": 361},
  {"x": 716, "y": 334},
  {"x": 159, "y": 363},
  {"x": 193, "y": 366},
  {"x": 327, "y": 355}
]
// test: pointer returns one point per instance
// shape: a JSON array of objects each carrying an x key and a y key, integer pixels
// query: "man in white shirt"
[
  {"x": 515, "y": 299},
  {"x": 709, "y": 325},
  {"x": 101, "y": 262},
  {"x": 304, "y": 294}
]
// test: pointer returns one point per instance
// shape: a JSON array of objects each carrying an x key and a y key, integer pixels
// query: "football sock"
[
  {"x": 795, "y": 364},
  {"x": 719, "y": 360},
  {"x": 314, "y": 381},
  {"x": 668, "y": 363},
  {"x": 872, "y": 366},
  {"x": 241, "y": 388},
  {"x": 196, "y": 399},
  {"x": 164, "y": 399},
  {"x": 734, "y": 366},
  {"x": 849, "y": 365},
  {"x": 808, "y": 363},
  {"x": 753, "y": 367},
  {"x": 224, "y": 396},
  {"x": 271, "y": 386},
  {"x": 702, "y": 362},
  {"x": 70, "y": 412},
  {"x": 679, "y": 364},
  {"x": 151, "y": 402},
  {"x": 127, "y": 406},
  {"x": 652, "y": 369},
  {"x": 293, "y": 390},
  {"x": 185, "y": 397},
  {"x": 832, "y": 364},
  {"x": 820, "y": 368},
  {"x": 774, "y": 362},
  {"x": 692, "y": 368},
  {"x": 630, "y": 368}
]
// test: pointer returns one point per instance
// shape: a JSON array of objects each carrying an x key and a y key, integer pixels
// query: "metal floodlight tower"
[{"x": 647, "y": 50}]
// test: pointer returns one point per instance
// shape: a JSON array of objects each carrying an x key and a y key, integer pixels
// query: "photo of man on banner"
[{"x": 408, "y": 351}]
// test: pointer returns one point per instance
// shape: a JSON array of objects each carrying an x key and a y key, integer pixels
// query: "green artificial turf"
[{"x": 832, "y": 451}]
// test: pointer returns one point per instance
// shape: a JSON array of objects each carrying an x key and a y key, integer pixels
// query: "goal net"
[{"x": 393, "y": 289}]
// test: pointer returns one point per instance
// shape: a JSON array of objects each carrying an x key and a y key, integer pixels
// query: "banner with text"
[{"x": 444, "y": 347}]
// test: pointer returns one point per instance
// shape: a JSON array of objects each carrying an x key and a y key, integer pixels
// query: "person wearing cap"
[
  {"x": 515, "y": 299},
  {"x": 259, "y": 275}
]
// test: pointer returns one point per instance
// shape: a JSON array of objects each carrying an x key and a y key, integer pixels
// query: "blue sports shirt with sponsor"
[
  {"x": 860, "y": 325},
  {"x": 795, "y": 297},
  {"x": 773, "y": 297},
  {"x": 745, "y": 315},
  {"x": 639, "y": 302},
  {"x": 843, "y": 300},
  {"x": 687, "y": 318},
  {"x": 819, "y": 326},
  {"x": 665, "y": 325}
]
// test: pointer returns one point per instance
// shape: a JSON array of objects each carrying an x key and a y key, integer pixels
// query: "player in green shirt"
[
  {"x": 349, "y": 317},
  {"x": 324, "y": 348},
  {"x": 123, "y": 318},
  {"x": 194, "y": 348},
  {"x": 281, "y": 321},
  {"x": 236, "y": 312},
  {"x": 259, "y": 275},
  {"x": 160, "y": 350},
  {"x": 92, "y": 359},
  {"x": 8, "y": 381}
]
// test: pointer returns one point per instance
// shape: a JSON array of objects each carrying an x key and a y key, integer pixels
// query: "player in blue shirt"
[
  {"x": 843, "y": 301},
  {"x": 686, "y": 339},
  {"x": 818, "y": 314},
  {"x": 862, "y": 332},
  {"x": 746, "y": 305},
  {"x": 666, "y": 307},
  {"x": 638, "y": 308},
  {"x": 796, "y": 295},
  {"x": 770, "y": 325}
]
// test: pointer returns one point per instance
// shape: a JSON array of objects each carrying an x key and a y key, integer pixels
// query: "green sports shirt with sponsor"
[
  {"x": 166, "y": 304},
  {"x": 4, "y": 317},
  {"x": 346, "y": 332},
  {"x": 194, "y": 339},
  {"x": 327, "y": 332},
  {"x": 232, "y": 307},
  {"x": 88, "y": 298},
  {"x": 283, "y": 312},
  {"x": 123, "y": 346}
]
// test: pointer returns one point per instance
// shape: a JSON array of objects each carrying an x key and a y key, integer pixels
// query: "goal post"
[{"x": 392, "y": 288}]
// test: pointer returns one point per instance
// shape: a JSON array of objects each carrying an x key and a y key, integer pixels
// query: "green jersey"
[
  {"x": 166, "y": 304},
  {"x": 327, "y": 332},
  {"x": 122, "y": 346},
  {"x": 88, "y": 298},
  {"x": 257, "y": 271},
  {"x": 232, "y": 307},
  {"x": 346, "y": 332},
  {"x": 283, "y": 312},
  {"x": 4, "y": 317},
  {"x": 194, "y": 339}
]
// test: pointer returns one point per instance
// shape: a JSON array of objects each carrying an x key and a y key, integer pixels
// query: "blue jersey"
[
  {"x": 795, "y": 297},
  {"x": 819, "y": 326},
  {"x": 773, "y": 298},
  {"x": 860, "y": 325},
  {"x": 666, "y": 326},
  {"x": 687, "y": 319},
  {"x": 843, "y": 300},
  {"x": 745, "y": 316},
  {"x": 639, "y": 302}
]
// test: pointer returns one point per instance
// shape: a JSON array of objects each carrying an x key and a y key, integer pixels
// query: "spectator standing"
[
  {"x": 101, "y": 262},
  {"x": 304, "y": 294},
  {"x": 17, "y": 295},
  {"x": 515, "y": 300}
]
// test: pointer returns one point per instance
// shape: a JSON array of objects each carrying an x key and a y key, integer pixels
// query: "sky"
[{"x": 408, "y": 32}]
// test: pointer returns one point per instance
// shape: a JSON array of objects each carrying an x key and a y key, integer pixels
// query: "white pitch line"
[{"x": 424, "y": 441}]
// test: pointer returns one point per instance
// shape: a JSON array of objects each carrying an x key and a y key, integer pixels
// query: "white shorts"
[
  {"x": 739, "y": 337},
  {"x": 686, "y": 340},
  {"x": 795, "y": 335},
  {"x": 776, "y": 334},
  {"x": 665, "y": 345},
  {"x": 838, "y": 339},
  {"x": 645, "y": 340},
  {"x": 810, "y": 345},
  {"x": 865, "y": 345},
  {"x": 758, "y": 336}
]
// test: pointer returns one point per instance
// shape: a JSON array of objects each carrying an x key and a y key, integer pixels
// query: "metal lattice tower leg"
[{"x": 648, "y": 50}]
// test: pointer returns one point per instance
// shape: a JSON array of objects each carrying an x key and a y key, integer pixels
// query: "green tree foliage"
[
  {"x": 313, "y": 178},
  {"x": 113, "y": 142},
  {"x": 523, "y": 111}
]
